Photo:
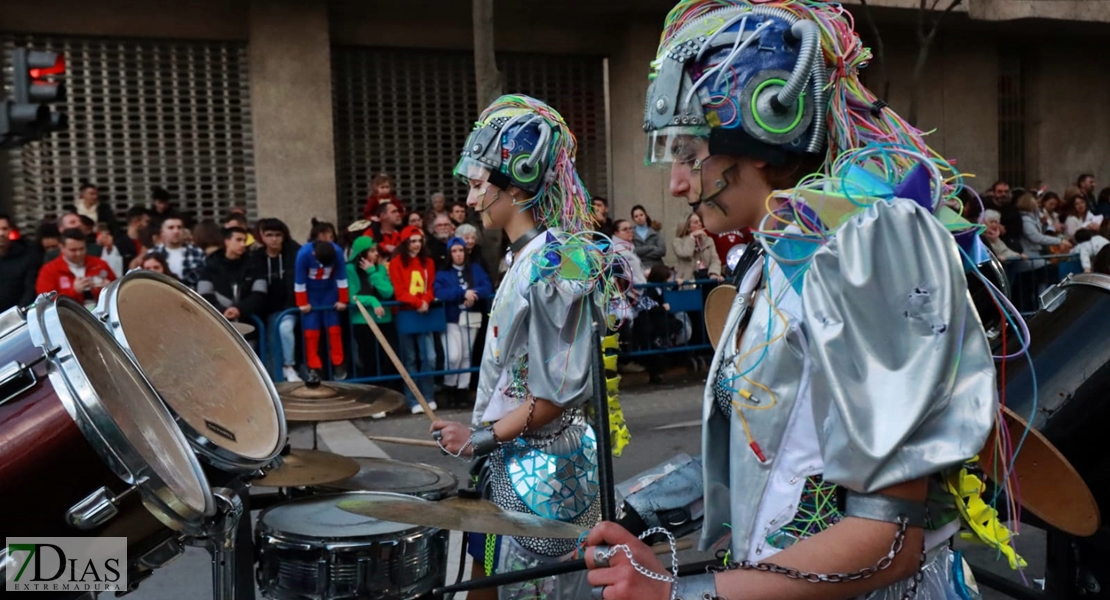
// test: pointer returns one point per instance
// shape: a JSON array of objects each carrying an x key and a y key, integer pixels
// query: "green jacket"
[{"x": 378, "y": 276}]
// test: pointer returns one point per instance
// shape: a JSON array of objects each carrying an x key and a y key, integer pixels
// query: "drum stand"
[{"x": 223, "y": 531}]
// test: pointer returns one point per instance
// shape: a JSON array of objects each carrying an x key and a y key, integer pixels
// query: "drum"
[
  {"x": 205, "y": 372},
  {"x": 983, "y": 297},
  {"x": 1071, "y": 358},
  {"x": 390, "y": 476},
  {"x": 308, "y": 549},
  {"x": 87, "y": 449}
]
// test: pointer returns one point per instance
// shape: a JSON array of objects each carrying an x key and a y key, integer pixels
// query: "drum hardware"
[
  {"x": 601, "y": 425},
  {"x": 221, "y": 543},
  {"x": 98, "y": 507},
  {"x": 18, "y": 376},
  {"x": 458, "y": 514}
]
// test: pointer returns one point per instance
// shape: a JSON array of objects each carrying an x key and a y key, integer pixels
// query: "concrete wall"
[
  {"x": 290, "y": 62},
  {"x": 181, "y": 19}
]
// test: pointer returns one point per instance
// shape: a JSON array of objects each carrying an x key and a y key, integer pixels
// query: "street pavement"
[{"x": 664, "y": 421}]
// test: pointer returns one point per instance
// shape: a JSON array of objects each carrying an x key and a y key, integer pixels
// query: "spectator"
[
  {"x": 696, "y": 252},
  {"x": 461, "y": 286},
  {"x": 1001, "y": 199},
  {"x": 381, "y": 191},
  {"x": 1079, "y": 215},
  {"x": 1088, "y": 245},
  {"x": 626, "y": 311},
  {"x": 161, "y": 209},
  {"x": 208, "y": 237},
  {"x": 90, "y": 206},
  {"x": 442, "y": 230},
  {"x": 387, "y": 230},
  {"x": 322, "y": 231},
  {"x": 1050, "y": 213},
  {"x": 646, "y": 239},
  {"x": 1033, "y": 237},
  {"x": 138, "y": 218},
  {"x": 601, "y": 216},
  {"x": 278, "y": 255},
  {"x": 118, "y": 257},
  {"x": 413, "y": 277},
  {"x": 49, "y": 241},
  {"x": 1102, "y": 261},
  {"x": 19, "y": 267},
  {"x": 232, "y": 281},
  {"x": 458, "y": 213},
  {"x": 237, "y": 217},
  {"x": 439, "y": 207},
  {"x": 470, "y": 235},
  {"x": 320, "y": 281},
  {"x": 157, "y": 263},
  {"x": 369, "y": 281},
  {"x": 415, "y": 219},
  {"x": 183, "y": 259},
  {"x": 993, "y": 237},
  {"x": 1086, "y": 185},
  {"x": 1102, "y": 205},
  {"x": 75, "y": 274}
]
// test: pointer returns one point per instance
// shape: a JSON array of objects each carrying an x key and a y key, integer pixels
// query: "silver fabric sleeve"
[
  {"x": 702, "y": 586},
  {"x": 559, "y": 349},
  {"x": 903, "y": 379}
]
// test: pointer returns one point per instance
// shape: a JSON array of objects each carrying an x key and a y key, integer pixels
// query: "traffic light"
[{"x": 27, "y": 115}]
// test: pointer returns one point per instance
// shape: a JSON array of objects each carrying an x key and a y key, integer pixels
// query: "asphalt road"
[{"x": 664, "y": 421}]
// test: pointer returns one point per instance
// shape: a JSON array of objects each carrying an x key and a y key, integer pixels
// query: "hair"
[
  {"x": 207, "y": 234},
  {"x": 656, "y": 225},
  {"x": 73, "y": 234},
  {"x": 104, "y": 228},
  {"x": 1083, "y": 176},
  {"x": 230, "y": 231},
  {"x": 1027, "y": 203},
  {"x": 172, "y": 217},
  {"x": 319, "y": 227},
  {"x": 380, "y": 209},
  {"x": 683, "y": 228},
  {"x": 324, "y": 252},
  {"x": 86, "y": 184},
  {"x": 1049, "y": 195},
  {"x": 601, "y": 199},
  {"x": 1072, "y": 210},
  {"x": 660, "y": 273},
  {"x": 8, "y": 218},
  {"x": 461, "y": 205},
  {"x": 156, "y": 256},
  {"x": 160, "y": 193},
  {"x": 1101, "y": 264},
  {"x": 617, "y": 224},
  {"x": 47, "y": 230},
  {"x": 1104, "y": 196},
  {"x": 237, "y": 217},
  {"x": 87, "y": 222},
  {"x": 137, "y": 212},
  {"x": 381, "y": 179},
  {"x": 467, "y": 229},
  {"x": 991, "y": 215},
  {"x": 1083, "y": 235},
  {"x": 271, "y": 224},
  {"x": 402, "y": 251}
]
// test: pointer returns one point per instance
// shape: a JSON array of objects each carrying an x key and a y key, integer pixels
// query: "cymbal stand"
[{"x": 221, "y": 543}]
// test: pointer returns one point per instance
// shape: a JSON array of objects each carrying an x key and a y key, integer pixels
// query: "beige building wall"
[{"x": 290, "y": 65}]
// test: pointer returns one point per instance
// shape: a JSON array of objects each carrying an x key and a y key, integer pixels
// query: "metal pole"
[
  {"x": 601, "y": 416},
  {"x": 221, "y": 544}
]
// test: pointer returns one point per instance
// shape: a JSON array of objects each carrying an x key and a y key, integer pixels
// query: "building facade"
[{"x": 289, "y": 107}]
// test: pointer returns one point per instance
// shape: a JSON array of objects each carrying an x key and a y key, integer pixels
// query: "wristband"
[
  {"x": 484, "y": 441},
  {"x": 695, "y": 587}
]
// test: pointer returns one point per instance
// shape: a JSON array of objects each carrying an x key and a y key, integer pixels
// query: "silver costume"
[
  {"x": 869, "y": 369},
  {"x": 539, "y": 346}
]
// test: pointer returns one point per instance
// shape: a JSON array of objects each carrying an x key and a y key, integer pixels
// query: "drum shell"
[
  {"x": 47, "y": 466},
  {"x": 1071, "y": 356},
  {"x": 396, "y": 566}
]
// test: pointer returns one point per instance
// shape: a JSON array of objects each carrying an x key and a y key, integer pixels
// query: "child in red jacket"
[
  {"x": 412, "y": 274},
  {"x": 381, "y": 190}
]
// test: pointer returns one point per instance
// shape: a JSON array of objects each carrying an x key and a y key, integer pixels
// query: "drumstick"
[
  {"x": 403, "y": 441},
  {"x": 396, "y": 361},
  {"x": 561, "y": 568}
]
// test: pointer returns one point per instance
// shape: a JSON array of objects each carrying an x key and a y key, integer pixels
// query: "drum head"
[
  {"x": 317, "y": 517},
  {"x": 204, "y": 371},
  {"x": 122, "y": 416},
  {"x": 383, "y": 475}
]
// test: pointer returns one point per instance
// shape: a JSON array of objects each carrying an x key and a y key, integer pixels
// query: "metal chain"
[
  {"x": 864, "y": 573},
  {"x": 671, "y": 579}
]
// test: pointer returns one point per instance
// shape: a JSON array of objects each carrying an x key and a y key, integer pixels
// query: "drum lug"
[
  {"x": 1052, "y": 297},
  {"x": 163, "y": 554},
  {"x": 15, "y": 378},
  {"x": 96, "y": 509}
]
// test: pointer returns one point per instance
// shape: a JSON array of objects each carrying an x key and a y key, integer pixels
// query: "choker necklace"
[{"x": 523, "y": 240}]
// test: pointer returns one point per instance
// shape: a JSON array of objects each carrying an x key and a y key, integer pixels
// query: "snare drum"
[
  {"x": 81, "y": 431},
  {"x": 308, "y": 549},
  {"x": 390, "y": 476},
  {"x": 205, "y": 372}
]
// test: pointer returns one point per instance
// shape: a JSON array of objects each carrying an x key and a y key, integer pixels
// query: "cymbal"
[
  {"x": 459, "y": 514},
  {"x": 331, "y": 401},
  {"x": 308, "y": 467}
]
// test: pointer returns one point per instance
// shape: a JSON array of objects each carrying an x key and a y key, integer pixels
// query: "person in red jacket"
[
  {"x": 412, "y": 274},
  {"x": 74, "y": 273},
  {"x": 381, "y": 190}
]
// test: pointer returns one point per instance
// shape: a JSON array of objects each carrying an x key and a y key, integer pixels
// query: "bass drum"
[
  {"x": 87, "y": 449},
  {"x": 225, "y": 402}
]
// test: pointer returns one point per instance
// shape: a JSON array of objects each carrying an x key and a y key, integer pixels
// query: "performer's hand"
[
  {"x": 340, "y": 306},
  {"x": 453, "y": 436},
  {"x": 379, "y": 311},
  {"x": 621, "y": 580},
  {"x": 307, "y": 308}
]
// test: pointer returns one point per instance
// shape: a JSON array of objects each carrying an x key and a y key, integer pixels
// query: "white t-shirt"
[
  {"x": 77, "y": 270},
  {"x": 114, "y": 259},
  {"x": 175, "y": 258}
]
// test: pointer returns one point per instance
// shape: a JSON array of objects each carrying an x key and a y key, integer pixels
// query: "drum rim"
[
  {"x": 112, "y": 446},
  {"x": 264, "y": 529},
  {"x": 1087, "y": 279},
  {"x": 216, "y": 455},
  {"x": 435, "y": 494}
]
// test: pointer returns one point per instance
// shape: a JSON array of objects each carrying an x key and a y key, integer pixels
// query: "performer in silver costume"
[
  {"x": 853, "y": 380},
  {"x": 535, "y": 377}
]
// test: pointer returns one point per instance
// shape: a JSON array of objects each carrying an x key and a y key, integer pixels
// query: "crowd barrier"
[
  {"x": 1029, "y": 277},
  {"x": 638, "y": 340}
]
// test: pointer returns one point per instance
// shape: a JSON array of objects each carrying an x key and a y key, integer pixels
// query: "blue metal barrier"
[
  {"x": 682, "y": 299},
  {"x": 1031, "y": 276}
]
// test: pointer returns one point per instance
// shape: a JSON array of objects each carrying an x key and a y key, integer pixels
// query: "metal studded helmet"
[
  {"x": 514, "y": 144},
  {"x": 749, "y": 79}
]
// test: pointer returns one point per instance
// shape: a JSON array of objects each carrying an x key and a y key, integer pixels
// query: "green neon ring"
[{"x": 759, "y": 121}]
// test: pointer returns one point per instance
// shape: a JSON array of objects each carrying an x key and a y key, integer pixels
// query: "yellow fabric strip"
[{"x": 981, "y": 517}]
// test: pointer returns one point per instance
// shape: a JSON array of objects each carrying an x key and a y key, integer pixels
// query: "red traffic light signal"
[
  {"x": 57, "y": 67},
  {"x": 27, "y": 115}
]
